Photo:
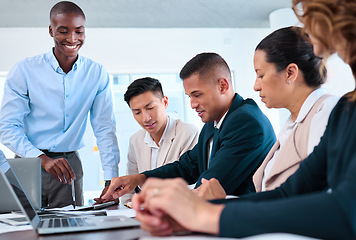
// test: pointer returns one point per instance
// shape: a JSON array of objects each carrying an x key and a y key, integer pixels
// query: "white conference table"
[{"x": 128, "y": 233}]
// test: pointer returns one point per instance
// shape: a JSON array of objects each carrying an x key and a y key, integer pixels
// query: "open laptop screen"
[
  {"x": 11, "y": 181},
  {"x": 58, "y": 225},
  {"x": 28, "y": 172}
]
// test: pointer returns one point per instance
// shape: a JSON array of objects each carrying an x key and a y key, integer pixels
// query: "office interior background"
[{"x": 134, "y": 39}]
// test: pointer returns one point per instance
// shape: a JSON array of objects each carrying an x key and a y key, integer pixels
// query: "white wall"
[
  {"x": 145, "y": 50},
  {"x": 163, "y": 50}
]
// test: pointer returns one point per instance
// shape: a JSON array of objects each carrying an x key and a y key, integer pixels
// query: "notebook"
[
  {"x": 59, "y": 224},
  {"x": 28, "y": 171}
]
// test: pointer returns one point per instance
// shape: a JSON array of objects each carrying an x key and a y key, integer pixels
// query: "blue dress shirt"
[
  {"x": 4, "y": 165},
  {"x": 45, "y": 108}
]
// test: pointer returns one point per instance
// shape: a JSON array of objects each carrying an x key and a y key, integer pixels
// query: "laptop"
[
  {"x": 59, "y": 224},
  {"x": 28, "y": 171}
]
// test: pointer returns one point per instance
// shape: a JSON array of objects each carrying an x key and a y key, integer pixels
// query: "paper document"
[
  {"x": 122, "y": 211},
  {"x": 5, "y": 227}
]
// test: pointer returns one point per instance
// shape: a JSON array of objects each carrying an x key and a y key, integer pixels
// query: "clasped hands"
[{"x": 167, "y": 206}]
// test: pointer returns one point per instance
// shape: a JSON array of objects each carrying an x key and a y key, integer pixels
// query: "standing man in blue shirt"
[{"x": 45, "y": 107}]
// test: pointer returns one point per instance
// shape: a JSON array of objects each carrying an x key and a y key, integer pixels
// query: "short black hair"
[
  {"x": 64, "y": 7},
  {"x": 143, "y": 85},
  {"x": 287, "y": 45},
  {"x": 204, "y": 63}
]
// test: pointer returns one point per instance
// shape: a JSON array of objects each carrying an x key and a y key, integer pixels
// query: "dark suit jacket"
[
  {"x": 319, "y": 200},
  {"x": 243, "y": 141}
]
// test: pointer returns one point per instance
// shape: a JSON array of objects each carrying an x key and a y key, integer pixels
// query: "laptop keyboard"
[{"x": 65, "y": 222}]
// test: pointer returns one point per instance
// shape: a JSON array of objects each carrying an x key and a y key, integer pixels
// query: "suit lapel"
[
  {"x": 209, "y": 132},
  {"x": 216, "y": 144},
  {"x": 167, "y": 144},
  {"x": 145, "y": 155},
  {"x": 258, "y": 176},
  {"x": 288, "y": 151}
]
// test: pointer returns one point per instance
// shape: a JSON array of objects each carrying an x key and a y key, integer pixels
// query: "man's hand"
[
  {"x": 210, "y": 189},
  {"x": 101, "y": 200},
  {"x": 59, "y": 168},
  {"x": 123, "y": 185}
]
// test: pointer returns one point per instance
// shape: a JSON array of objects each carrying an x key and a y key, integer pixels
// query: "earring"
[{"x": 290, "y": 83}]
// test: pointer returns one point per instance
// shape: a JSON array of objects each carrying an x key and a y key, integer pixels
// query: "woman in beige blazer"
[{"x": 289, "y": 76}]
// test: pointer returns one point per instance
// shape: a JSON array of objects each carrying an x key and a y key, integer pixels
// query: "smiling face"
[
  {"x": 68, "y": 32},
  {"x": 149, "y": 111},
  {"x": 271, "y": 84},
  {"x": 206, "y": 97}
]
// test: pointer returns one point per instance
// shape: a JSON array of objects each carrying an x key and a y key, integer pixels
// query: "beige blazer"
[
  {"x": 290, "y": 156},
  {"x": 181, "y": 138}
]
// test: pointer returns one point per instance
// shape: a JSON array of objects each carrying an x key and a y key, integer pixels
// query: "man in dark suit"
[{"x": 233, "y": 142}]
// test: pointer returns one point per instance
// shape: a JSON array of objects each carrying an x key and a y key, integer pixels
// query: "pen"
[
  {"x": 137, "y": 189},
  {"x": 128, "y": 205},
  {"x": 73, "y": 194}
]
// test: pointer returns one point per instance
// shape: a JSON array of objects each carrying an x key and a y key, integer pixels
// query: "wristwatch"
[{"x": 107, "y": 183}]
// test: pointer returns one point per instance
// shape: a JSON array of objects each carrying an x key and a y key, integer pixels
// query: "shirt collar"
[
  {"x": 149, "y": 140},
  {"x": 218, "y": 125},
  {"x": 309, "y": 103},
  {"x": 55, "y": 65}
]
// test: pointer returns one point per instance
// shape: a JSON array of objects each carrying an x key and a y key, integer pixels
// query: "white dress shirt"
[
  {"x": 217, "y": 126},
  {"x": 155, "y": 150}
]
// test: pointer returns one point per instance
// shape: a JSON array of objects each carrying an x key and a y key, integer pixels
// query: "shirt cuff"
[
  {"x": 33, "y": 153},
  {"x": 109, "y": 174}
]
